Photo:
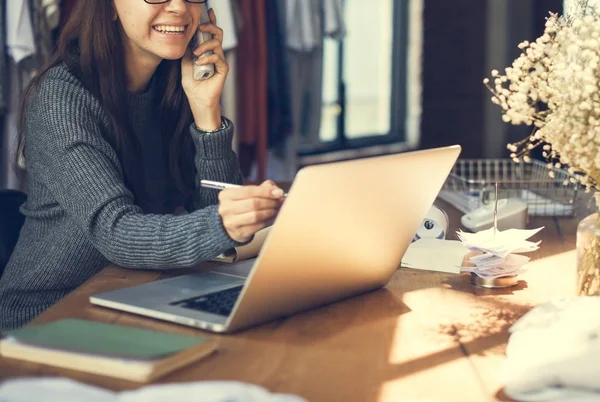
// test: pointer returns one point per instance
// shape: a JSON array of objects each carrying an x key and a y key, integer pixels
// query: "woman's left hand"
[{"x": 204, "y": 96}]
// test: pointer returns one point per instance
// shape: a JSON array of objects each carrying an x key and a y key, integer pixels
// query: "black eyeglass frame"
[{"x": 153, "y": 2}]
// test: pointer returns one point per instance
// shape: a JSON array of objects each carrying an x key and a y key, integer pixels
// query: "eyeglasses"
[{"x": 166, "y": 1}]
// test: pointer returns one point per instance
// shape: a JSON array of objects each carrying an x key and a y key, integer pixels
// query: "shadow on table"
[{"x": 485, "y": 332}]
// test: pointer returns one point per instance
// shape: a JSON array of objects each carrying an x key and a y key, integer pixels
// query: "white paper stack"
[{"x": 497, "y": 251}]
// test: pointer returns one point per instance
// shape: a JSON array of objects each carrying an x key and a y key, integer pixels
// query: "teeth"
[{"x": 170, "y": 28}]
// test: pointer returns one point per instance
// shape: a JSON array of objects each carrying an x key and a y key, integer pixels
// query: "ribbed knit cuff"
[
  {"x": 214, "y": 145},
  {"x": 221, "y": 237}
]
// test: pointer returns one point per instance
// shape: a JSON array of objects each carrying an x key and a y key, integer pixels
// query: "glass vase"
[{"x": 588, "y": 256}]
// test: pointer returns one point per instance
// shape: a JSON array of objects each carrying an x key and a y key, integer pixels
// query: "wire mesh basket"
[{"x": 471, "y": 184}]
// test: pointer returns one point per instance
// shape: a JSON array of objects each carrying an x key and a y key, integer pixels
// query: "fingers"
[
  {"x": 246, "y": 209},
  {"x": 213, "y": 28},
  {"x": 212, "y": 16},
  {"x": 267, "y": 189},
  {"x": 247, "y": 205},
  {"x": 215, "y": 31},
  {"x": 240, "y": 227},
  {"x": 221, "y": 65},
  {"x": 215, "y": 45},
  {"x": 212, "y": 44},
  {"x": 217, "y": 58},
  {"x": 243, "y": 234},
  {"x": 249, "y": 218}
]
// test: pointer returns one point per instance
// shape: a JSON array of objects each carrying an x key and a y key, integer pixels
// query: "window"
[{"x": 364, "y": 78}]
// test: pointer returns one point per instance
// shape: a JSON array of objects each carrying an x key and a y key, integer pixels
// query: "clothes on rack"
[
  {"x": 51, "y": 12},
  {"x": 295, "y": 33},
  {"x": 3, "y": 60},
  {"x": 252, "y": 87},
  {"x": 308, "y": 23},
  {"x": 227, "y": 21},
  {"x": 21, "y": 64},
  {"x": 303, "y": 22},
  {"x": 46, "y": 19},
  {"x": 19, "y": 30},
  {"x": 17, "y": 76},
  {"x": 334, "y": 25},
  {"x": 278, "y": 86},
  {"x": 274, "y": 49},
  {"x": 306, "y": 94}
]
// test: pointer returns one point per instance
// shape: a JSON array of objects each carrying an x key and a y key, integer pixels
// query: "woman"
[{"x": 117, "y": 135}]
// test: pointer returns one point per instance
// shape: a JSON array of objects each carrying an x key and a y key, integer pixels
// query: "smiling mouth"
[{"x": 170, "y": 29}]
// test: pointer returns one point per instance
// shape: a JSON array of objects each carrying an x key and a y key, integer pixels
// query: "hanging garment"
[
  {"x": 280, "y": 119},
  {"x": 306, "y": 68},
  {"x": 20, "y": 67},
  {"x": 19, "y": 30},
  {"x": 17, "y": 77},
  {"x": 226, "y": 21},
  {"x": 252, "y": 86},
  {"x": 46, "y": 18},
  {"x": 51, "y": 10},
  {"x": 333, "y": 19},
  {"x": 303, "y": 23},
  {"x": 3, "y": 79},
  {"x": 308, "y": 22}
]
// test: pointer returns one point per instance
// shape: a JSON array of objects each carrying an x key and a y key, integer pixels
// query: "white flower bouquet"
[{"x": 554, "y": 87}]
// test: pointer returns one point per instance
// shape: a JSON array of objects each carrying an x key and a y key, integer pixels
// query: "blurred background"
[{"x": 314, "y": 81}]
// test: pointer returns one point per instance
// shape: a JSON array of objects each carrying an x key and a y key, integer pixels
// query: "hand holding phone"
[{"x": 206, "y": 71}]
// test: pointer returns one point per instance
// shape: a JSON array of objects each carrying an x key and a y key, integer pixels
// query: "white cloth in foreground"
[
  {"x": 553, "y": 353},
  {"x": 66, "y": 390}
]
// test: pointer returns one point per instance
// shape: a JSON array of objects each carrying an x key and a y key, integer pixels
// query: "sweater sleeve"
[
  {"x": 215, "y": 160},
  {"x": 67, "y": 153}
]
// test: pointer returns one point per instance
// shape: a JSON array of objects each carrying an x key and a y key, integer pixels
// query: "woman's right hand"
[{"x": 248, "y": 209}]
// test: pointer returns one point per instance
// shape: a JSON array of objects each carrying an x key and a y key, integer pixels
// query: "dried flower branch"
[{"x": 553, "y": 86}]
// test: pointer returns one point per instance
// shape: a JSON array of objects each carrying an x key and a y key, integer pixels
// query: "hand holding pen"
[{"x": 245, "y": 210}]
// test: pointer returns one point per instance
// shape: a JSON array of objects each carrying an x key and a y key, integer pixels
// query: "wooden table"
[{"x": 426, "y": 335}]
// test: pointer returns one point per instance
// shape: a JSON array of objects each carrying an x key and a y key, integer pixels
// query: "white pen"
[{"x": 218, "y": 185}]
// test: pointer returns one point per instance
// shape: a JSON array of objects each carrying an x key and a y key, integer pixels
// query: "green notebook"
[
  {"x": 119, "y": 351},
  {"x": 104, "y": 339}
]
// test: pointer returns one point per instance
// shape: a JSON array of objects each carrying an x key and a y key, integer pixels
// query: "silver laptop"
[{"x": 342, "y": 231}]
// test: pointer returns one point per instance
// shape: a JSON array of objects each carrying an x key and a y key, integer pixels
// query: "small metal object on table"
[{"x": 493, "y": 283}]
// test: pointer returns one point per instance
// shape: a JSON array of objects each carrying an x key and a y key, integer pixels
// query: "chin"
[{"x": 173, "y": 55}]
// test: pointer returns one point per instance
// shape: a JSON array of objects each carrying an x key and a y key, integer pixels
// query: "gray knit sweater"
[{"x": 80, "y": 217}]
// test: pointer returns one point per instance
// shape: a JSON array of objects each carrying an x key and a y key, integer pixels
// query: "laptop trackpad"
[
  {"x": 200, "y": 283},
  {"x": 240, "y": 269}
]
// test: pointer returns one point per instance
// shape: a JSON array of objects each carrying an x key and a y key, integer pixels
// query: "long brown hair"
[{"x": 91, "y": 46}]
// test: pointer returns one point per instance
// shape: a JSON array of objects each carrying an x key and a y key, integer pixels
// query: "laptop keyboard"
[{"x": 219, "y": 303}]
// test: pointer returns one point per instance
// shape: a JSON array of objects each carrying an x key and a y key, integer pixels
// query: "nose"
[{"x": 176, "y": 6}]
